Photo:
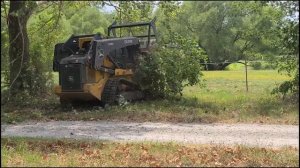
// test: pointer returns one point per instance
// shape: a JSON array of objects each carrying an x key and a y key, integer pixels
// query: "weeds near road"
[{"x": 47, "y": 152}]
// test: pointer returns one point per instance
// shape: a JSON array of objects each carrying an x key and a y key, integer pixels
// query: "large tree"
[
  {"x": 227, "y": 30},
  {"x": 288, "y": 43},
  {"x": 22, "y": 74},
  {"x": 18, "y": 15}
]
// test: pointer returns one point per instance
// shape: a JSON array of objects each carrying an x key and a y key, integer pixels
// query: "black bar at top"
[{"x": 131, "y": 24}]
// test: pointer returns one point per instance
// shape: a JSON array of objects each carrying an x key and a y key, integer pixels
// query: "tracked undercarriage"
[{"x": 116, "y": 91}]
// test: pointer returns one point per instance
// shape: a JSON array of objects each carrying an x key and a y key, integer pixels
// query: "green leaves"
[
  {"x": 224, "y": 29},
  {"x": 288, "y": 43},
  {"x": 88, "y": 20},
  {"x": 170, "y": 67},
  {"x": 134, "y": 11}
]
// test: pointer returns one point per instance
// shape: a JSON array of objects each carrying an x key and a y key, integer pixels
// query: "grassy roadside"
[
  {"x": 50, "y": 152},
  {"x": 223, "y": 99}
]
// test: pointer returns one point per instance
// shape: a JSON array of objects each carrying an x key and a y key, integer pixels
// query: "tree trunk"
[{"x": 19, "y": 13}]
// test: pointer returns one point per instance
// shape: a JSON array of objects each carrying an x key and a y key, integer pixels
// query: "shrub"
[
  {"x": 169, "y": 68},
  {"x": 256, "y": 65},
  {"x": 291, "y": 86}
]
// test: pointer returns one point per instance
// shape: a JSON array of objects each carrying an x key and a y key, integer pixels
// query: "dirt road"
[{"x": 228, "y": 134}]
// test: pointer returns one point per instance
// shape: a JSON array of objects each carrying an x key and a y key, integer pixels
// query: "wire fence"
[{"x": 231, "y": 62}]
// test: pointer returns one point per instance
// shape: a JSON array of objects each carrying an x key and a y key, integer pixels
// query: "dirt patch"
[{"x": 228, "y": 134}]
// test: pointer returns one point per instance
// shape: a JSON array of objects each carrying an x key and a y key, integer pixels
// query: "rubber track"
[{"x": 110, "y": 91}]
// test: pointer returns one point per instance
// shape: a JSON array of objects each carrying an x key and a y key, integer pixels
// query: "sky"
[{"x": 108, "y": 8}]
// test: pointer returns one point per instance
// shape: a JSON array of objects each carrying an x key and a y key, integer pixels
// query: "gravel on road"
[{"x": 226, "y": 134}]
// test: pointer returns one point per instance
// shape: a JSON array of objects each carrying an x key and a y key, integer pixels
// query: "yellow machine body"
[{"x": 96, "y": 80}]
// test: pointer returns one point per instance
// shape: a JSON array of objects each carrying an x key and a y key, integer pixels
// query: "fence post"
[{"x": 246, "y": 74}]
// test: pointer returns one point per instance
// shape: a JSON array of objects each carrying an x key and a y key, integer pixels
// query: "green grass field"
[
  {"x": 34, "y": 152},
  {"x": 225, "y": 94},
  {"x": 222, "y": 99}
]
